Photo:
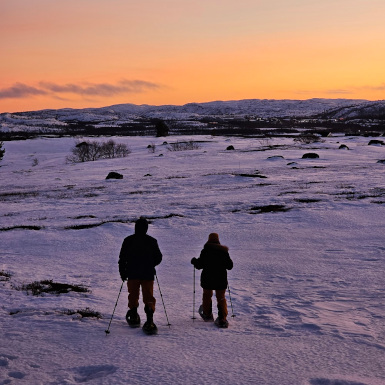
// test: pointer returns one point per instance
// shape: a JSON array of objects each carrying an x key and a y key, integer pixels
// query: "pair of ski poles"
[
  {"x": 107, "y": 331},
  {"x": 231, "y": 302}
]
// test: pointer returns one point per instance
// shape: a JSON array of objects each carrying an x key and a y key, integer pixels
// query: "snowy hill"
[
  {"x": 119, "y": 115},
  {"x": 365, "y": 110}
]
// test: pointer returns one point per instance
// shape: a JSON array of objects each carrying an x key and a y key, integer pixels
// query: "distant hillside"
[
  {"x": 365, "y": 110},
  {"x": 131, "y": 118}
]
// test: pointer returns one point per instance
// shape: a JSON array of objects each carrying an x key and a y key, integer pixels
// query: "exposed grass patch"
[
  {"x": 48, "y": 286},
  {"x": 166, "y": 216},
  {"x": 18, "y": 194},
  {"x": 84, "y": 216},
  {"x": 87, "y": 226},
  {"x": 5, "y": 275},
  {"x": 255, "y": 174},
  {"x": 91, "y": 225},
  {"x": 252, "y": 175},
  {"x": 21, "y": 228},
  {"x": 85, "y": 313},
  {"x": 269, "y": 209},
  {"x": 184, "y": 146},
  {"x": 265, "y": 209}
]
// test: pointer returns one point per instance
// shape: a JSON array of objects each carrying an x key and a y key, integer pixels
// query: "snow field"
[{"x": 307, "y": 285}]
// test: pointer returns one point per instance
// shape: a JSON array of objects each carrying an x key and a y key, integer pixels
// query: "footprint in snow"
[
  {"x": 16, "y": 374},
  {"x": 89, "y": 373}
]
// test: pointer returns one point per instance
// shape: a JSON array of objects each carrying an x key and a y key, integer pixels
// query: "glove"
[{"x": 193, "y": 261}]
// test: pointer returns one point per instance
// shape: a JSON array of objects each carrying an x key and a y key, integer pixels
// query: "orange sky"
[{"x": 93, "y": 53}]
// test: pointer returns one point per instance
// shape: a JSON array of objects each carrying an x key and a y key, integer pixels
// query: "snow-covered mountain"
[{"x": 121, "y": 114}]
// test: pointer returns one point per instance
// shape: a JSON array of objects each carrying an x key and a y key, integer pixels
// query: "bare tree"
[
  {"x": 86, "y": 151},
  {"x": 2, "y": 151}
]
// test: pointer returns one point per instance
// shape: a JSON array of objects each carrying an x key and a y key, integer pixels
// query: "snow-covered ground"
[{"x": 307, "y": 286}]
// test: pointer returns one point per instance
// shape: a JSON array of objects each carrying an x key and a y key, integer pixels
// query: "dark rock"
[
  {"x": 229, "y": 148},
  {"x": 310, "y": 155},
  {"x": 114, "y": 175},
  {"x": 343, "y": 147},
  {"x": 82, "y": 144},
  {"x": 374, "y": 142}
]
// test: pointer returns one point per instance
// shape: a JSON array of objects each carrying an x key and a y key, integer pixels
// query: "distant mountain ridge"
[{"x": 118, "y": 115}]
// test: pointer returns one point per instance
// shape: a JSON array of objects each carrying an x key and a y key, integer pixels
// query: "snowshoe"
[
  {"x": 206, "y": 318},
  {"x": 221, "y": 323},
  {"x": 133, "y": 318},
  {"x": 150, "y": 328}
]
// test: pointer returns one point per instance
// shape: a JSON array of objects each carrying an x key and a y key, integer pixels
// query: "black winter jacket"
[
  {"x": 138, "y": 257},
  {"x": 215, "y": 261}
]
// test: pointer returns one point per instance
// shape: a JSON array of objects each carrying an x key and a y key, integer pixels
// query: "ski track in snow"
[{"x": 307, "y": 286}]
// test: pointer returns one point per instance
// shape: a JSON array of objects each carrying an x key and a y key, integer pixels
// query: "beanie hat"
[
  {"x": 141, "y": 226},
  {"x": 213, "y": 238}
]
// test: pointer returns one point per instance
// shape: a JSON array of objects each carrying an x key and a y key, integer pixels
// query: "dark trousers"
[
  {"x": 221, "y": 302},
  {"x": 133, "y": 286}
]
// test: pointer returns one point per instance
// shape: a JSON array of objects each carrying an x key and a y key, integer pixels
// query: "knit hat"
[
  {"x": 213, "y": 238},
  {"x": 141, "y": 226}
]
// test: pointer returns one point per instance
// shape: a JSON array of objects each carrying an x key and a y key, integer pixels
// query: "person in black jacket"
[
  {"x": 215, "y": 261},
  {"x": 137, "y": 260}
]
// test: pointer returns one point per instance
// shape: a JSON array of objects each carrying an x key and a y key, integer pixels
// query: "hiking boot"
[
  {"x": 132, "y": 317},
  {"x": 221, "y": 323},
  {"x": 149, "y": 326},
  {"x": 206, "y": 317}
]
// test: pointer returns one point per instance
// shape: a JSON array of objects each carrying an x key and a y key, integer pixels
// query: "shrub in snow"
[
  {"x": 92, "y": 150},
  {"x": 183, "y": 146},
  {"x": 151, "y": 148},
  {"x": 2, "y": 151},
  {"x": 308, "y": 138}
]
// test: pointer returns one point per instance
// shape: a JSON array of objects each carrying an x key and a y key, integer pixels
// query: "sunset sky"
[{"x": 94, "y": 53}]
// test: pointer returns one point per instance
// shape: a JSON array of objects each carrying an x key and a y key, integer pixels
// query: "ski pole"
[
  {"x": 161, "y": 296},
  {"x": 193, "y": 317},
  {"x": 231, "y": 302},
  {"x": 108, "y": 329}
]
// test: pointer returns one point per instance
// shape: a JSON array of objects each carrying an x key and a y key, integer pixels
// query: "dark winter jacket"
[
  {"x": 215, "y": 261},
  {"x": 138, "y": 257}
]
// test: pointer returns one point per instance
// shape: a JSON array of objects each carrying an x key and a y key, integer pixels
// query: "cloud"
[
  {"x": 20, "y": 90},
  {"x": 340, "y": 92},
  {"x": 378, "y": 88}
]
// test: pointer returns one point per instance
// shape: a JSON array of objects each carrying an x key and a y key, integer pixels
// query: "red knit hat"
[{"x": 213, "y": 238}]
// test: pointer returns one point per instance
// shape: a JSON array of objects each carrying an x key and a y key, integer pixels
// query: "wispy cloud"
[
  {"x": 340, "y": 92},
  {"x": 20, "y": 90},
  {"x": 381, "y": 87}
]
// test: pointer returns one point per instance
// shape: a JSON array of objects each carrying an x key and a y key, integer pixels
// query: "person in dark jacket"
[
  {"x": 215, "y": 261},
  {"x": 138, "y": 257}
]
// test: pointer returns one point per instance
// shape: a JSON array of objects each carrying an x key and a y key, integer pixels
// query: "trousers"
[
  {"x": 133, "y": 287},
  {"x": 221, "y": 302}
]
